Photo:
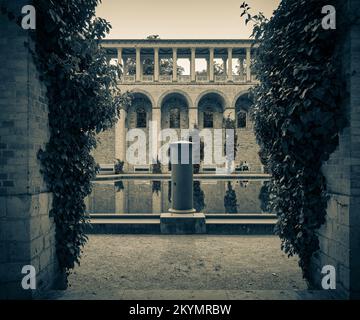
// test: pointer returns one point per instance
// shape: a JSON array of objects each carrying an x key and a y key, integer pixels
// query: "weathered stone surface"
[
  {"x": 158, "y": 95},
  {"x": 340, "y": 236},
  {"x": 192, "y": 223},
  {"x": 24, "y": 199}
]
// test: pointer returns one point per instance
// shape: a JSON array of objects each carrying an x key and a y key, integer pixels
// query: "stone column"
[
  {"x": 125, "y": 66},
  {"x": 193, "y": 117},
  {"x": 120, "y": 137},
  {"x": 229, "y": 73},
  {"x": 174, "y": 64},
  {"x": 119, "y": 56},
  {"x": 230, "y": 164},
  {"x": 141, "y": 68},
  {"x": 154, "y": 134},
  {"x": 211, "y": 65},
  {"x": 248, "y": 70},
  {"x": 224, "y": 65},
  {"x": 181, "y": 177},
  {"x": 208, "y": 68},
  {"x": 156, "y": 64},
  {"x": 192, "y": 65},
  {"x": 156, "y": 201},
  {"x": 138, "y": 64},
  {"x": 120, "y": 63},
  {"x": 241, "y": 59}
]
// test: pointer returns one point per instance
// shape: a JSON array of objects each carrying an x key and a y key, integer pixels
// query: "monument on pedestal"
[{"x": 182, "y": 218}]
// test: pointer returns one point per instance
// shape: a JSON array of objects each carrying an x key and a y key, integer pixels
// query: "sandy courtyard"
[{"x": 126, "y": 266}]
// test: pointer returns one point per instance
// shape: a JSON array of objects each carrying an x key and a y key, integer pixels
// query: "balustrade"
[
  {"x": 220, "y": 78},
  {"x": 165, "y": 78},
  {"x": 132, "y": 58},
  {"x": 201, "y": 78}
]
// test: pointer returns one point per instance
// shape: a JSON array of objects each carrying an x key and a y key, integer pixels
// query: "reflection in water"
[
  {"x": 210, "y": 196},
  {"x": 264, "y": 197},
  {"x": 230, "y": 201},
  {"x": 199, "y": 197},
  {"x": 119, "y": 186}
]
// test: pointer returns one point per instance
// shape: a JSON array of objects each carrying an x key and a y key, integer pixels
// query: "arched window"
[
  {"x": 141, "y": 118},
  {"x": 175, "y": 118},
  {"x": 208, "y": 119},
  {"x": 241, "y": 119}
]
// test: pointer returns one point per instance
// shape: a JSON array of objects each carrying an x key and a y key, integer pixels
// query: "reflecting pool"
[{"x": 149, "y": 196}]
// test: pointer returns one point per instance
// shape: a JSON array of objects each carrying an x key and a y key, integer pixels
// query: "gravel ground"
[{"x": 127, "y": 263}]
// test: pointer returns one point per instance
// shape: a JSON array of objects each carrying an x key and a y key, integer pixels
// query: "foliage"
[
  {"x": 119, "y": 186},
  {"x": 298, "y": 116},
  {"x": 199, "y": 197},
  {"x": 218, "y": 70},
  {"x": 239, "y": 68},
  {"x": 119, "y": 166},
  {"x": 165, "y": 67},
  {"x": 230, "y": 201},
  {"x": 83, "y": 100},
  {"x": 156, "y": 168},
  {"x": 153, "y": 37},
  {"x": 264, "y": 197}
]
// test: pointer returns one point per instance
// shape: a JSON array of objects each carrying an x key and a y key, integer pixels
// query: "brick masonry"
[
  {"x": 27, "y": 232},
  {"x": 340, "y": 236}
]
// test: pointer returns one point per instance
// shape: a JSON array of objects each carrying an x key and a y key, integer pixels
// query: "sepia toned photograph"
[{"x": 190, "y": 153}]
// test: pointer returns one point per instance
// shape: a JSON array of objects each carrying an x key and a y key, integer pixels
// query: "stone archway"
[
  {"x": 221, "y": 95},
  {"x": 178, "y": 92},
  {"x": 241, "y": 107},
  {"x": 174, "y": 111},
  {"x": 211, "y": 107},
  {"x": 141, "y": 105}
]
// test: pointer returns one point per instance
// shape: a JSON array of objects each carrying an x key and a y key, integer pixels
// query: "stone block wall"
[
  {"x": 27, "y": 232},
  {"x": 104, "y": 153},
  {"x": 157, "y": 95},
  {"x": 340, "y": 235},
  {"x": 248, "y": 149}
]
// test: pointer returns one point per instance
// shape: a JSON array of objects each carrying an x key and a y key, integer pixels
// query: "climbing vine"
[
  {"x": 83, "y": 100},
  {"x": 297, "y": 115}
]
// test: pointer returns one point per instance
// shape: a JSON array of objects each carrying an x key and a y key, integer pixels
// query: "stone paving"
[{"x": 185, "y": 267}]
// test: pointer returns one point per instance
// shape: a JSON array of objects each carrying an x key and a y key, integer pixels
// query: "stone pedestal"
[
  {"x": 188, "y": 223},
  {"x": 182, "y": 218}
]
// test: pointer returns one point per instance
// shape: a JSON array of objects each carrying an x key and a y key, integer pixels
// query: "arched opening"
[
  {"x": 242, "y": 106},
  {"x": 139, "y": 112},
  {"x": 141, "y": 118},
  {"x": 210, "y": 111},
  {"x": 208, "y": 118},
  {"x": 241, "y": 119},
  {"x": 175, "y": 118},
  {"x": 174, "y": 111}
]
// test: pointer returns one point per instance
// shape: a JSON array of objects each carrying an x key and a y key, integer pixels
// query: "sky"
[{"x": 180, "y": 19}]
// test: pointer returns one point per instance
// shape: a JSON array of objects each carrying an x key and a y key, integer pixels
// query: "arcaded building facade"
[{"x": 181, "y": 99}]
